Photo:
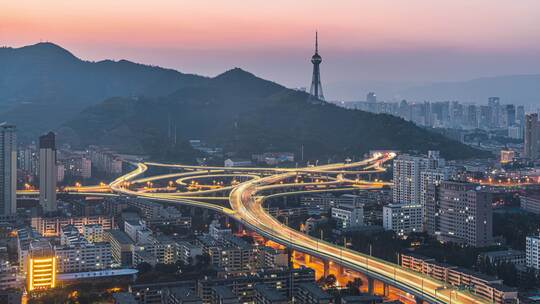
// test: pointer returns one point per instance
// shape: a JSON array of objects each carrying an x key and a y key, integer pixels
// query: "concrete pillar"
[
  {"x": 370, "y": 285},
  {"x": 386, "y": 290},
  {"x": 290, "y": 258},
  {"x": 326, "y": 264},
  {"x": 340, "y": 270}
]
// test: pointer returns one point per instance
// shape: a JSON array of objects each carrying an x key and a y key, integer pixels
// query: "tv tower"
[{"x": 316, "y": 87}]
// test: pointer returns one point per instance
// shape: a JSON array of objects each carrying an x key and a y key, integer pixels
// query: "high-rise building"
[
  {"x": 472, "y": 116},
  {"x": 371, "y": 97},
  {"x": 495, "y": 104},
  {"x": 532, "y": 252},
  {"x": 316, "y": 87},
  {"x": 8, "y": 170},
  {"x": 486, "y": 117},
  {"x": 428, "y": 179},
  {"x": 520, "y": 115},
  {"x": 407, "y": 176},
  {"x": 431, "y": 209},
  {"x": 465, "y": 214},
  {"x": 47, "y": 172},
  {"x": 530, "y": 146},
  {"x": 510, "y": 115}
]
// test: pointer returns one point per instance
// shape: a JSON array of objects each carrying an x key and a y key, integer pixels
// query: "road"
[{"x": 246, "y": 206}]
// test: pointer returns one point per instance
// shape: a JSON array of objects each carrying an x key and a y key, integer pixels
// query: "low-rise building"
[
  {"x": 499, "y": 257},
  {"x": 530, "y": 203},
  {"x": 93, "y": 233},
  {"x": 8, "y": 276},
  {"x": 348, "y": 216},
  {"x": 181, "y": 295},
  {"x": 83, "y": 257},
  {"x": 265, "y": 294},
  {"x": 311, "y": 293},
  {"x": 287, "y": 281},
  {"x": 188, "y": 252},
  {"x": 488, "y": 287},
  {"x": 121, "y": 247},
  {"x": 237, "y": 162},
  {"x": 51, "y": 226},
  {"x": 269, "y": 257}
]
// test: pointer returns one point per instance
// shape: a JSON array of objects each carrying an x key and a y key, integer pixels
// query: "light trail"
[{"x": 247, "y": 208}]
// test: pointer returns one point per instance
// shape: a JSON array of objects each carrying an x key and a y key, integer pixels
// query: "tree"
[
  {"x": 144, "y": 268},
  {"x": 354, "y": 286}
]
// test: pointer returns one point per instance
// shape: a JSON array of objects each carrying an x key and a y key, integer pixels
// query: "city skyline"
[{"x": 360, "y": 45}]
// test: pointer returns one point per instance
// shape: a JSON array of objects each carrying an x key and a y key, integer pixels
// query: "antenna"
[{"x": 316, "y": 42}]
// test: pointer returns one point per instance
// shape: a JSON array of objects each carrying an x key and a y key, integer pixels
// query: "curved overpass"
[{"x": 247, "y": 208}]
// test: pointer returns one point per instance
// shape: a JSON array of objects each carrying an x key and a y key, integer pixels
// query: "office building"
[
  {"x": 8, "y": 170},
  {"x": 47, "y": 172},
  {"x": 402, "y": 218},
  {"x": 507, "y": 156},
  {"x": 41, "y": 274},
  {"x": 465, "y": 214},
  {"x": 532, "y": 252},
  {"x": 531, "y": 134}
]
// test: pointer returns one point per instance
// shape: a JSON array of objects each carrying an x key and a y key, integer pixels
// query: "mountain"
[
  {"x": 43, "y": 85},
  {"x": 519, "y": 89},
  {"x": 245, "y": 114}
]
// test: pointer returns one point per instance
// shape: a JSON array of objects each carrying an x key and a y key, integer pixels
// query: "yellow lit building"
[{"x": 41, "y": 272}]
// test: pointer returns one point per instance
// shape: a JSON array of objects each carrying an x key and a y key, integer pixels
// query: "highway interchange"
[{"x": 243, "y": 200}]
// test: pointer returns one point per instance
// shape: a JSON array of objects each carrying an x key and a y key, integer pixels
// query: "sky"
[{"x": 365, "y": 44}]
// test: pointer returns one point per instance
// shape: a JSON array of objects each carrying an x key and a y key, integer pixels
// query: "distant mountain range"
[
  {"x": 43, "y": 85},
  {"x": 519, "y": 89},
  {"x": 135, "y": 108}
]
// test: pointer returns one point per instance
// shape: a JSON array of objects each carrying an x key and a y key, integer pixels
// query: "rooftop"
[
  {"x": 120, "y": 236},
  {"x": 315, "y": 290}
]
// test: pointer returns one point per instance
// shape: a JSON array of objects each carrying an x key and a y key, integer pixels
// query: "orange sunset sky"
[{"x": 361, "y": 41}]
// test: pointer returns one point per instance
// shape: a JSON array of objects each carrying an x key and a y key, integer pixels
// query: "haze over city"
[{"x": 366, "y": 45}]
